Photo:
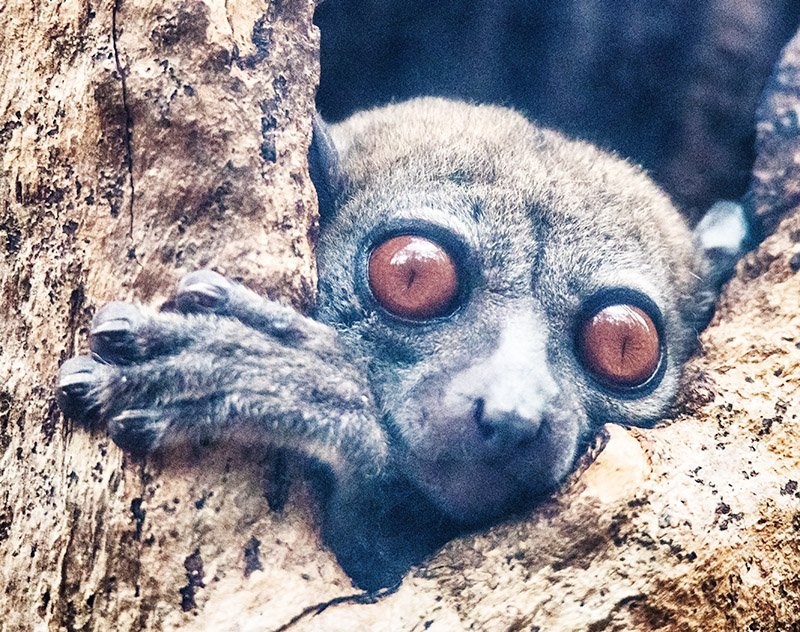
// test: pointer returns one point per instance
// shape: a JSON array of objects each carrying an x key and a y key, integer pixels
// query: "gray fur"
[{"x": 429, "y": 427}]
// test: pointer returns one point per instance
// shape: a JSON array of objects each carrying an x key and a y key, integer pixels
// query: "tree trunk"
[{"x": 139, "y": 142}]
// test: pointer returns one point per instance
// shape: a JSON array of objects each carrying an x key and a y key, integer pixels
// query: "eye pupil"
[
  {"x": 619, "y": 344},
  {"x": 412, "y": 277}
]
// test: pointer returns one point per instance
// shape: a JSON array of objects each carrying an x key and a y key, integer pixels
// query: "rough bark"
[{"x": 140, "y": 141}]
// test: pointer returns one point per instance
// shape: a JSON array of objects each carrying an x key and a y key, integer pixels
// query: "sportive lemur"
[{"x": 490, "y": 292}]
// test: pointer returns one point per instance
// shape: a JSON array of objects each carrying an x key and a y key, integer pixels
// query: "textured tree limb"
[{"x": 141, "y": 140}]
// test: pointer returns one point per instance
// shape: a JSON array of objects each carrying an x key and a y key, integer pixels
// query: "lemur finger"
[
  {"x": 113, "y": 334},
  {"x": 77, "y": 381},
  {"x": 202, "y": 291},
  {"x": 126, "y": 335},
  {"x": 206, "y": 291},
  {"x": 138, "y": 431}
]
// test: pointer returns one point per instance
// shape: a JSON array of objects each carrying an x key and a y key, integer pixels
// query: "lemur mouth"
[
  {"x": 477, "y": 460},
  {"x": 473, "y": 491}
]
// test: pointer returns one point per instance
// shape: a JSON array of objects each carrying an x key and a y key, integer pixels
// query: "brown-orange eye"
[
  {"x": 412, "y": 277},
  {"x": 620, "y": 345}
]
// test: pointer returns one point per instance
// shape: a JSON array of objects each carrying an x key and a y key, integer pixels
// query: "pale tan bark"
[
  {"x": 140, "y": 140},
  {"x": 137, "y": 142}
]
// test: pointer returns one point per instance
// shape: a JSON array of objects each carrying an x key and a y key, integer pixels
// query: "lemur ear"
[
  {"x": 323, "y": 166},
  {"x": 723, "y": 236}
]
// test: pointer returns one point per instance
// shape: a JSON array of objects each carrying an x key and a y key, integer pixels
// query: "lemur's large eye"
[
  {"x": 619, "y": 344},
  {"x": 412, "y": 277}
]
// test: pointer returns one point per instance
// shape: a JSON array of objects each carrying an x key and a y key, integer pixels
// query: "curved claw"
[
  {"x": 76, "y": 379},
  {"x": 203, "y": 290},
  {"x": 113, "y": 334},
  {"x": 138, "y": 431}
]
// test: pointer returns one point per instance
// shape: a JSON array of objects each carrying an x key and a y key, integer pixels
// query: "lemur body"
[{"x": 489, "y": 294}]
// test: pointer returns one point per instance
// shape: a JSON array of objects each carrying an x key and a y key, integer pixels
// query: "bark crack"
[
  {"x": 319, "y": 608},
  {"x": 128, "y": 135},
  {"x": 230, "y": 24},
  {"x": 63, "y": 562}
]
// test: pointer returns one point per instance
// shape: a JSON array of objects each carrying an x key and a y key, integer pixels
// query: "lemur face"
[{"x": 512, "y": 290}]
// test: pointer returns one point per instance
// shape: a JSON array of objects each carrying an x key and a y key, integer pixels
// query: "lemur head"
[{"x": 510, "y": 289}]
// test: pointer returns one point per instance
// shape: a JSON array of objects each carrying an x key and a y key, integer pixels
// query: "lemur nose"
[{"x": 504, "y": 429}]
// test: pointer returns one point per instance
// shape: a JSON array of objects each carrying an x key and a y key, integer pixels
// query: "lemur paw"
[
  {"x": 209, "y": 354},
  {"x": 94, "y": 387}
]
